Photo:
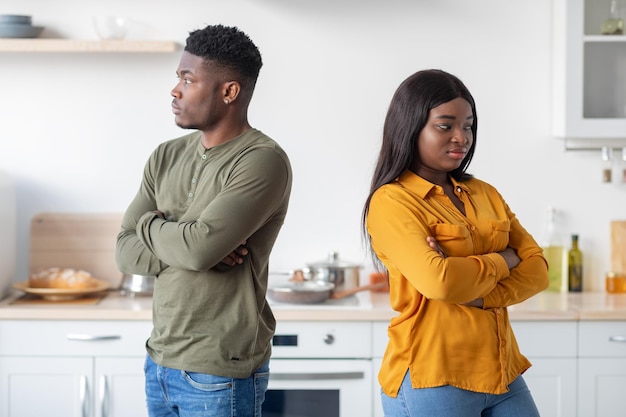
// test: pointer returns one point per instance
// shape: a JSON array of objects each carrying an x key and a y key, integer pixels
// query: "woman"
[{"x": 456, "y": 257}]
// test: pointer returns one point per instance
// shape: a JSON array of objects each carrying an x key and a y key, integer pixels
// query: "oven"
[{"x": 320, "y": 368}]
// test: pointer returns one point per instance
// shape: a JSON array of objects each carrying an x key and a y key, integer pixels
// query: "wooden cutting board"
[
  {"x": 79, "y": 241},
  {"x": 618, "y": 246}
]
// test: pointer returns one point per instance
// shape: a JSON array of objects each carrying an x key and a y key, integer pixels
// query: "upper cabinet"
[
  {"x": 80, "y": 46},
  {"x": 589, "y": 73}
]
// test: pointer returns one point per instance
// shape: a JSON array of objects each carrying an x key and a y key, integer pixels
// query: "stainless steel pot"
[
  {"x": 133, "y": 285},
  {"x": 345, "y": 275}
]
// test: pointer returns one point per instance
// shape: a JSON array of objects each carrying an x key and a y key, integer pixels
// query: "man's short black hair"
[{"x": 229, "y": 48}]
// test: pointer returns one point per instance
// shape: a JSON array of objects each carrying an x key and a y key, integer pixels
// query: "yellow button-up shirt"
[{"x": 434, "y": 336}]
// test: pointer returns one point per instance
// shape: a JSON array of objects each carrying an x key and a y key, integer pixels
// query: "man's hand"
[{"x": 236, "y": 256}]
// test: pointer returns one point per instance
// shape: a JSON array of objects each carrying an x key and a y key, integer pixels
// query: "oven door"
[{"x": 319, "y": 387}]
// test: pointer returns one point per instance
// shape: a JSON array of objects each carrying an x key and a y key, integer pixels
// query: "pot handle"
[
  {"x": 343, "y": 294},
  {"x": 297, "y": 276}
]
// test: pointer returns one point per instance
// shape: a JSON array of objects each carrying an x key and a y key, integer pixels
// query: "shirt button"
[
  {"x": 204, "y": 156},
  {"x": 193, "y": 181},
  {"x": 190, "y": 195}
]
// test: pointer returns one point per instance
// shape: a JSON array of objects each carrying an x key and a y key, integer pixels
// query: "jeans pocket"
[
  {"x": 261, "y": 380},
  {"x": 207, "y": 382}
]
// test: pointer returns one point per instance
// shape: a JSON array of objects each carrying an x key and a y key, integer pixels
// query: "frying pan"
[{"x": 312, "y": 292}]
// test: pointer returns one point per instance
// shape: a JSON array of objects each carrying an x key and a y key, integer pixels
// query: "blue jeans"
[
  {"x": 448, "y": 401},
  {"x": 172, "y": 392}
]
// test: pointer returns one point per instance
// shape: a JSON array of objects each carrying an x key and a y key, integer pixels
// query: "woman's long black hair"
[{"x": 406, "y": 117}]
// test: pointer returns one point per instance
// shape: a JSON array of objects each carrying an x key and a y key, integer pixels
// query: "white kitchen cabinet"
[
  {"x": 120, "y": 388},
  {"x": 602, "y": 369},
  {"x": 72, "y": 368},
  {"x": 379, "y": 343},
  {"x": 66, "y": 387},
  {"x": 41, "y": 386},
  {"x": 552, "y": 383},
  {"x": 589, "y": 73},
  {"x": 551, "y": 346}
]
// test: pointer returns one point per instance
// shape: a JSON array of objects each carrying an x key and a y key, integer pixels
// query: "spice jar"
[{"x": 615, "y": 283}]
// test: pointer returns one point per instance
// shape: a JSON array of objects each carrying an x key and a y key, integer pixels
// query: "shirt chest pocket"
[
  {"x": 455, "y": 240},
  {"x": 499, "y": 230}
]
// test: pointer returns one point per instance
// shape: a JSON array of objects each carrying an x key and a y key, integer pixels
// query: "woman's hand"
[
  {"x": 511, "y": 258},
  {"x": 478, "y": 303}
]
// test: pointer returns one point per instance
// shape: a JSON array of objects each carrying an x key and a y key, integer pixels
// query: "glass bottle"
[
  {"x": 575, "y": 263},
  {"x": 553, "y": 251},
  {"x": 614, "y": 25}
]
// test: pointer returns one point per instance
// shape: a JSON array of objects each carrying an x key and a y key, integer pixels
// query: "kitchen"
[{"x": 78, "y": 127}]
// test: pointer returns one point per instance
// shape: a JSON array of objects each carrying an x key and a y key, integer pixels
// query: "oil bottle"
[
  {"x": 554, "y": 252},
  {"x": 575, "y": 266}
]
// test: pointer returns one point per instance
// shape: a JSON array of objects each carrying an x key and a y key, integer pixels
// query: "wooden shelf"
[{"x": 86, "y": 46}]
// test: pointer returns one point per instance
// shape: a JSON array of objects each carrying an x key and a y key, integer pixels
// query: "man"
[{"x": 204, "y": 221}]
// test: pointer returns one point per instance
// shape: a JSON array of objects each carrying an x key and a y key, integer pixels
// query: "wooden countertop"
[{"x": 371, "y": 307}]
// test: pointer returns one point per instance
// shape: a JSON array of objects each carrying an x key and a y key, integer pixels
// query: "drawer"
[
  {"x": 74, "y": 338},
  {"x": 380, "y": 339},
  {"x": 330, "y": 339},
  {"x": 546, "y": 339},
  {"x": 602, "y": 339}
]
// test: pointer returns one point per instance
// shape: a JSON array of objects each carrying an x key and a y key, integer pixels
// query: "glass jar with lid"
[{"x": 615, "y": 282}]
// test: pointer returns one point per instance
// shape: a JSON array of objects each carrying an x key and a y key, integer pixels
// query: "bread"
[{"x": 65, "y": 278}]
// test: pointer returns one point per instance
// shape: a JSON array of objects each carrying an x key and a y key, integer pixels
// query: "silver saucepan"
[
  {"x": 344, "y": 275},
  {"x": 137, "y": 285}
]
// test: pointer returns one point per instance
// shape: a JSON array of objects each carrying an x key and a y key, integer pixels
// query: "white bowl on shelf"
[{"x": 110, "y": 27}]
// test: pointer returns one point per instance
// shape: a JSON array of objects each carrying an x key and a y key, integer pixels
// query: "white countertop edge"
[{"x": 543, "y": 307}]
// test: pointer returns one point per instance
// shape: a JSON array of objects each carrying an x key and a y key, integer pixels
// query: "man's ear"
[{"x": 231, "y": 91}]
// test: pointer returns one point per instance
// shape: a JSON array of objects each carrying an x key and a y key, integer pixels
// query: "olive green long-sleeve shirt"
[{"x": 207, "y": 317}]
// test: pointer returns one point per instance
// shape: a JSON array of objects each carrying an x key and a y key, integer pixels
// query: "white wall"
[{"x": 76, "y": 129}]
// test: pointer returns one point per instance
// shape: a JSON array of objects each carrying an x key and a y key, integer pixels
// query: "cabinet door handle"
[
  {"x": 619, "y": 339},
  {"x": 84, "y": 396},
  {"x": 305, "y": 376},
  {"x": 91, "y": 338},
  {"x": 104, "y": 396}
]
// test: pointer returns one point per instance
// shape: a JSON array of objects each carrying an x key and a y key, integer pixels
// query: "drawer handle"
[
  {"x": 84, "y": 396},
  {"x": 619, "y": 339},
  {"x": 104, "y": 396},
  {"x": 315, "y": 376},
  {"x": 91, "y": 338}
]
